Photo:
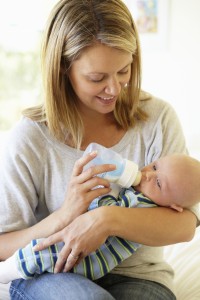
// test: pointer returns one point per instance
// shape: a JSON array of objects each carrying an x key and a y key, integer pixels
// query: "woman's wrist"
[
  {"x": 51, "y": 224},
  {"x": 107, "y": 219},
  {"x": 62, "y": 219}
]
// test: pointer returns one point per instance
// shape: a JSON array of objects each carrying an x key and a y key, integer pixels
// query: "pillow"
[{"x": 185, "y": 259}]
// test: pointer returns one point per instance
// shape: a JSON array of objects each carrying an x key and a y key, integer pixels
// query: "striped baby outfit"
[{"x": 98, "y": 263}]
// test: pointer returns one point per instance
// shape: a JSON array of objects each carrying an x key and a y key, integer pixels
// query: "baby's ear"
[{"x": 176, "y": 207}]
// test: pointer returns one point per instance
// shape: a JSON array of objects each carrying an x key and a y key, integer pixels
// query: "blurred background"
[{"x": 170, "y": 39}]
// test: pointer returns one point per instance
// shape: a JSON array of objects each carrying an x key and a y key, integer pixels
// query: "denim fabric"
[
  {"x": 67, "y": 286},
  {"x": 62, "y": 286},
  {"x": 127, "y": 288}
]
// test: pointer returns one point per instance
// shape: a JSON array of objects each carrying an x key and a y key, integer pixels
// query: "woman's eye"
[
  {"x": 96, "y": 80},
  {"x": 124, "y": 72}
]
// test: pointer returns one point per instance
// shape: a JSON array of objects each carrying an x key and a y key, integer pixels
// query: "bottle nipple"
[{"x": 137, "y": 179}]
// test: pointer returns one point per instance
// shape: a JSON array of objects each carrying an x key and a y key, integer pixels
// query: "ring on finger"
[{"x": 75, "y": 257}]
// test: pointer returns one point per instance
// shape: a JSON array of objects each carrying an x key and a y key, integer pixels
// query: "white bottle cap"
[{"x": 131, "y": 175}]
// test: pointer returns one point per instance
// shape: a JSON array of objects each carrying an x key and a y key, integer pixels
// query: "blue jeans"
[
  {"x": 127, "y": 288},
  {"x": 67, "y": 286}
]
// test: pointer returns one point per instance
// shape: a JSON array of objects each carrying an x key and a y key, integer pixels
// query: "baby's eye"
[
  {"x": 154, "y": 167},
  {"x": 158, "y": 183}
]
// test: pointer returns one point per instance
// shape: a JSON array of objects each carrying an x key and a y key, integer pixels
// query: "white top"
[{"x": 35, "y": 170}]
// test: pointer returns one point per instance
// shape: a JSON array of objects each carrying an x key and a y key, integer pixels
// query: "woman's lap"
[
  {"x": 72, "y": 287},
  {"x": 126, "y": 288},
  {"x": 63, "y": 286}
]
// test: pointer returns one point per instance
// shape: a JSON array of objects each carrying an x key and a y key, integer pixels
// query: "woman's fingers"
[
  {"x": 78, "y": 240},
  {"x": 80, "y": 258},
  {"x": 71, "y": 261},
  {"x": 92, "y": 171},
  {"x": 80, "y": 163},
  {"x": 97, "y": 169},
  {"x": 62, "y": 260},
  {"x": 67, "y": 259},
  {"x": 96, "y": 182},
  {"x": 53, "y": 239},
  {"x": 82, "y": 188}
]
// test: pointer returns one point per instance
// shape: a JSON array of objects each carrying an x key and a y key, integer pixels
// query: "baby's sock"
[{"x": 8, "y": 270}]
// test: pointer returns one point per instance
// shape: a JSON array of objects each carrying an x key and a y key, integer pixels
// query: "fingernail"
[
  {"x": 36, "y": 248},
  {"x": 93, "y": 153},
  {"x": 113, "y": 166}
]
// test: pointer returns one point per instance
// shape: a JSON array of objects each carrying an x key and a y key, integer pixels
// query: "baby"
[{"x": 171, "y": 181}]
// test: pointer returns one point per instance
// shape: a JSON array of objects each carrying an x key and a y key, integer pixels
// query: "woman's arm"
[
  {"x": 148, "y": 226},
  {"x": 80, "y": 194},
  {"x": 12, "y": 241},
  {"x": 156, "y": 226}
]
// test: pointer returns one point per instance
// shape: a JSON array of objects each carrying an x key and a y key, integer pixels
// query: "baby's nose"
[{"x": 147, "y": 175}]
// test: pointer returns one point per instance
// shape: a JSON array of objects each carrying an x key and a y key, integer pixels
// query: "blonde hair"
[{"x": 74, "y": 25}]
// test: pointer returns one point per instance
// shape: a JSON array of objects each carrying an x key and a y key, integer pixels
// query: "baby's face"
[{"x": 160, "y": 181}]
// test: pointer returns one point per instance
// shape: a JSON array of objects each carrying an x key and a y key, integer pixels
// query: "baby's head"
[{"x": 172, "y": 181}]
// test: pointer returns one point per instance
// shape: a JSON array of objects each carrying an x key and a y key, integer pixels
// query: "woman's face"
[{"x": 98, "y": 76}]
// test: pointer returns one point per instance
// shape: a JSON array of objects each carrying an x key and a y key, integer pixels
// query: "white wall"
[{"x": 172, "y": 71}]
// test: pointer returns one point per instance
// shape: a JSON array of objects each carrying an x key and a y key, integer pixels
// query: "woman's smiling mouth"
[{"x": 106, "y": 100}]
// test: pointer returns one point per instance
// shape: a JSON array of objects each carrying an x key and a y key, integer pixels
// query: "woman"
[{"x": 91, "y": 70}]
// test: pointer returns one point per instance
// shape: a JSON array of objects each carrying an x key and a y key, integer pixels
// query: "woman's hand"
[
  {"x": 83, "y": 236},
  {"x": 82, "y": 189}
]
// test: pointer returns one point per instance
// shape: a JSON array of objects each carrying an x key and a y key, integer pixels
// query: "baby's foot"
[{"x": 8, "y": 270}]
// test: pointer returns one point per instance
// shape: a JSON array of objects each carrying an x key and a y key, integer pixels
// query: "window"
[{"x": 21, "y": 25}]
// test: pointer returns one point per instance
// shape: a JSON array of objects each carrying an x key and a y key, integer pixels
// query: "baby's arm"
[{"x": 127, "y": 198}]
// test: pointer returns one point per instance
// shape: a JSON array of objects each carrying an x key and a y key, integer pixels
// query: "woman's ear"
[{"x": 176, "y": 207}]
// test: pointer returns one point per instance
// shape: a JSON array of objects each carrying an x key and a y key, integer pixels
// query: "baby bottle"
[{"x": 126, "y": 173}]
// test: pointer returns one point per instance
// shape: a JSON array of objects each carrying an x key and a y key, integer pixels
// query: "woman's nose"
[{"x": 113, "y": 87}]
